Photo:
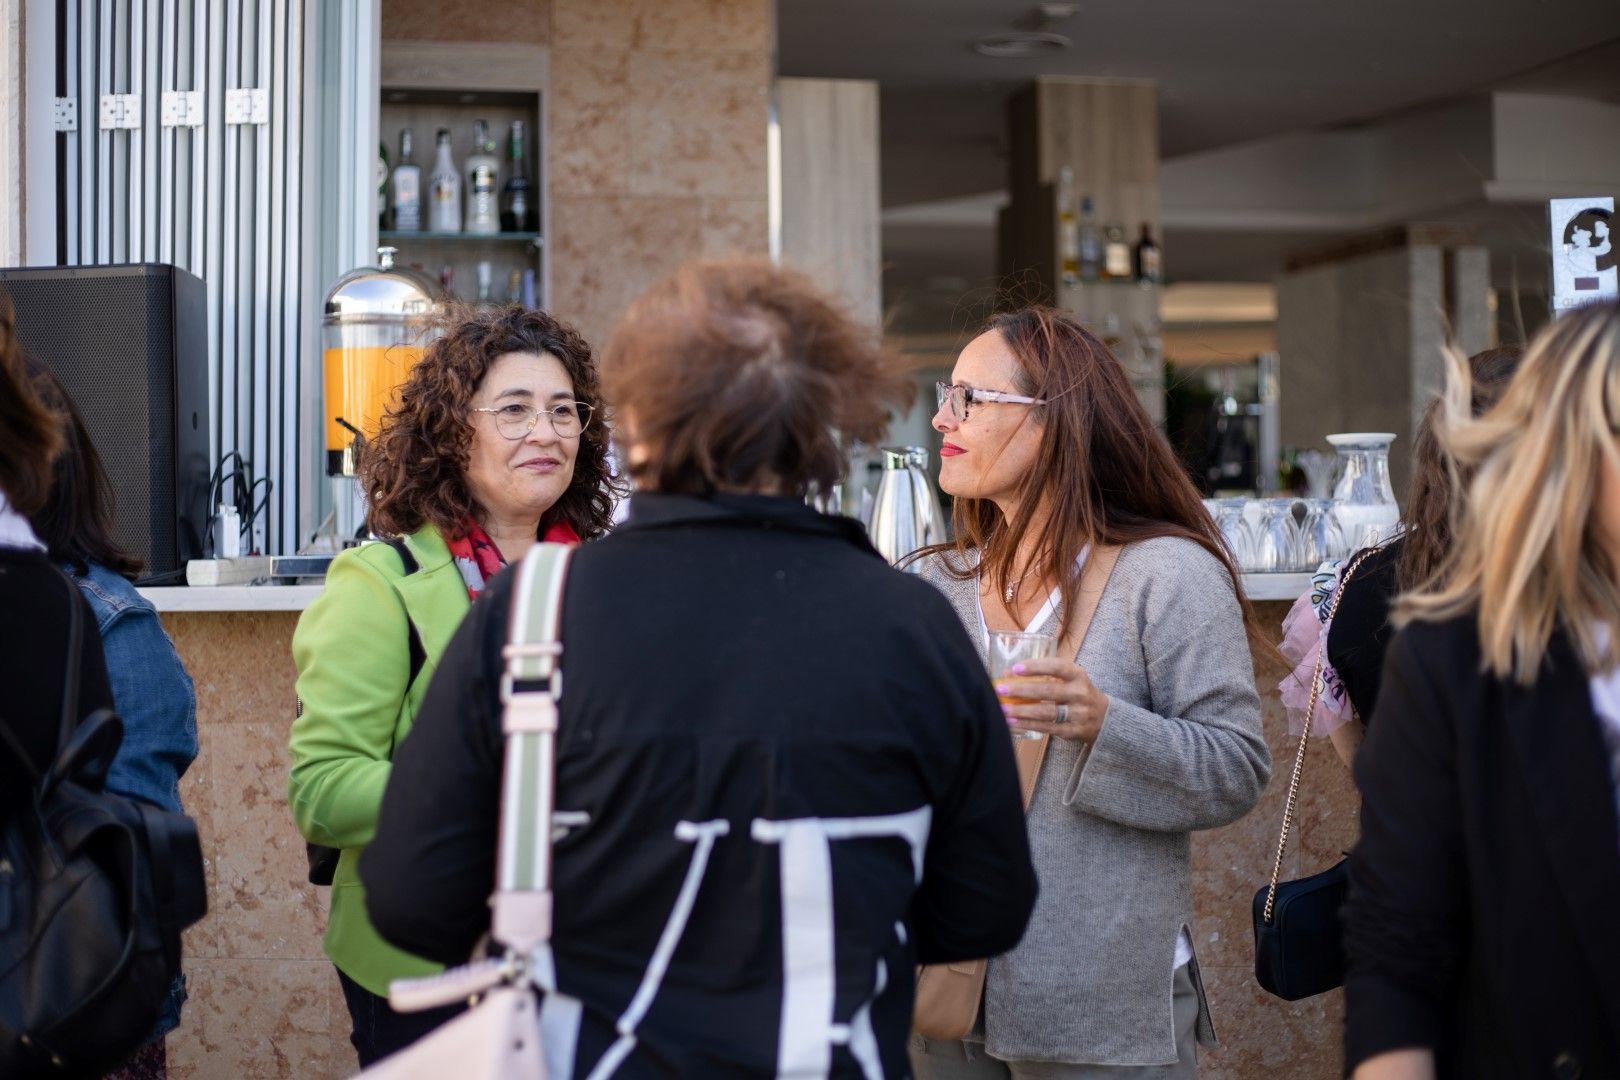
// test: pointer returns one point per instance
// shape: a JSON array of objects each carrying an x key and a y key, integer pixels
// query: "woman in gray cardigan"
[{"x": 1155, "y": 723}]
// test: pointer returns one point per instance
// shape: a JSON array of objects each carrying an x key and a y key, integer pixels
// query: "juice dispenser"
[{"x": 378, "y": 319}]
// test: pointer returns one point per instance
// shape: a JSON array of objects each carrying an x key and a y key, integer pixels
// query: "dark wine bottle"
[{"x": 519, "y": 212}]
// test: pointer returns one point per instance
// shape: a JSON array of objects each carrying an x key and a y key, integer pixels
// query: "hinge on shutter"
[
  {"x": 120, "y": 111},
  {"x": 182, "y": 108},
  {"x": 66, "y": 114},
  {"x": 247, "y": 106}
]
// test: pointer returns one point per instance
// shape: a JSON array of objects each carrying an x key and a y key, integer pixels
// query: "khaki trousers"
[{"x": 932, "y": 1059}]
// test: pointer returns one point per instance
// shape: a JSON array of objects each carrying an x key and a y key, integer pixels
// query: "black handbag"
[
  {"x": 1298, "y": 932},
  {"x": 95, "y": 889}
]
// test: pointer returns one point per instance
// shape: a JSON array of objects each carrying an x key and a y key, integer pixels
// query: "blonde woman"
[{"x": 1483, "y": 928}]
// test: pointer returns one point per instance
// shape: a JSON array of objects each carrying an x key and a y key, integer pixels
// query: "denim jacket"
[{"x": 154, "y": 698}]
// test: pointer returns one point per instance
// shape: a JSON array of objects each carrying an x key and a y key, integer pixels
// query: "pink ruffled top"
[{"x": 1305, "y": 635}]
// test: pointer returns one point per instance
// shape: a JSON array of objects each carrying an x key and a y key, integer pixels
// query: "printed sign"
[{"x": 1584, "y": 252}]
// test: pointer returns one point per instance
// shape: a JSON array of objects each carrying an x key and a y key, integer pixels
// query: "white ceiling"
[{"x": 1229, "y": 72}]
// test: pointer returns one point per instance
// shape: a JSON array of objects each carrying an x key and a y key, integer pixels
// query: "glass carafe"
[{"x": 1363, "y": 500}]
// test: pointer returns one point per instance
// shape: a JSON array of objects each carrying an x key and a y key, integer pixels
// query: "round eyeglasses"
[
  {"x": 962, "y": 398},
  {"x": 515, "y": 420}
]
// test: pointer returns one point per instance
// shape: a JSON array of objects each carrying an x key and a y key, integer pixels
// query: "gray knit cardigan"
[{"x": 1110, "y": 825}]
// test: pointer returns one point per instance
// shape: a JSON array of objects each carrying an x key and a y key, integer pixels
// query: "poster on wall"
[{"x": 1584, "y": 252}]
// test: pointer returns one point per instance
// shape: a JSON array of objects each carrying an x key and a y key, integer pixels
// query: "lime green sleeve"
[{"x": 353, "y": 656}]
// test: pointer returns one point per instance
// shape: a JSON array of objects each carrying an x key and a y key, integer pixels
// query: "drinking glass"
[
  {"x": 1277, "y": 547},
  {"x": 1009, "y": 647},
  {"x": 1322, "y": 537},
  {"x": 1237, "y": 533}
]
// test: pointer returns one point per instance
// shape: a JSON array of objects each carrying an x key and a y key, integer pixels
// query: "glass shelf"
[{"x": 393, "y": 236}]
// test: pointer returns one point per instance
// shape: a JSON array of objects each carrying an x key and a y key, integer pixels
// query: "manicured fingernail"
[
  {"x": 1001, "y": 688},
  {"x": 1018, "y": 669},
  {"x": 1012, "y": 721}
]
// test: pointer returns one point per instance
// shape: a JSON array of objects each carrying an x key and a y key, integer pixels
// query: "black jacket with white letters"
[{"x": 753, "y": 669}]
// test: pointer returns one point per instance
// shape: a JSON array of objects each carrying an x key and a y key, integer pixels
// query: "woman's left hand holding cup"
[{"x": 1054, "y": 688}]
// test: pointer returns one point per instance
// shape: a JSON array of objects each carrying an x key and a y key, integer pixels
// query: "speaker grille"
[{"x": 108, "y": 334}]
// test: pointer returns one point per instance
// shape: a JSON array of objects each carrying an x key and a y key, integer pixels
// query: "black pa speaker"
[{"x": 130, "y": 344}]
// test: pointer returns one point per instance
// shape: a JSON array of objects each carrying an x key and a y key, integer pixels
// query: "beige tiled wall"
[
  {"x": 657, "y": 153},
  {"x": 265, "y": 1003}
]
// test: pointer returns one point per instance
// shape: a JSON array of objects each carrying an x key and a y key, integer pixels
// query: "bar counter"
[{"x": 265, "y": 1002}]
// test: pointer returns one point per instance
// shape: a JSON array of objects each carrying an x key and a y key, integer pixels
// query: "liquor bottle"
[
  {"x": 444, "y": 190},
  {"x": 407, "y": 209},
  {"x": 447, "y": 281},
  {"x": 485, "y": 273},
  {"x": 518, "y": 210},
  {"x": 382, "y": 185},
  {"x": 482, "y": 214},
  {"x": 514, "y": 287},
  {"x": 1149, "y": 264},
  {"x": 1068, "y": 228},
  {"x": 1090, "y": 242},
  {"x": 1117, "y": 255}
]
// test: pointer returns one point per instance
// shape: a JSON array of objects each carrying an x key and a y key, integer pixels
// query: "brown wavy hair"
[
  {"x": 741, "y": 375},
  {"x": 415, "y": 471},
  {"x": 30, "y": 433},
  {"x": 1426, "y": 527},
  {"x": 1106, "y": 473}
]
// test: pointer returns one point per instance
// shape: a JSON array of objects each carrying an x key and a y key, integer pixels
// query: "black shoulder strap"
[
  {"x": 418, "y": 653},
  {"x": 68, "y": 720}
]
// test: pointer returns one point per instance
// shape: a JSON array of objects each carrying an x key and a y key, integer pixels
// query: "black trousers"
[{"x": 378, "y": 1030}]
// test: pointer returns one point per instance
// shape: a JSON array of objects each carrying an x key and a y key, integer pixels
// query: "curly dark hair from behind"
[{"x": 414, "y": 471}]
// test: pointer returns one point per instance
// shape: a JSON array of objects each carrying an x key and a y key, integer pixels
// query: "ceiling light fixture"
[{"x": 1039, "y": 40}]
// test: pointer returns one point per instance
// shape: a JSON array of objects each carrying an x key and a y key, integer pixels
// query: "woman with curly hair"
[{"x": 496, "y": 443}]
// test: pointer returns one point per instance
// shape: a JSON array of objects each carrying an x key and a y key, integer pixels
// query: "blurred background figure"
[{"x": 1481, "y": 930}]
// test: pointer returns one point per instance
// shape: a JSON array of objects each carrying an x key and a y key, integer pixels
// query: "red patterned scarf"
[{"x": 478, "y": 559}]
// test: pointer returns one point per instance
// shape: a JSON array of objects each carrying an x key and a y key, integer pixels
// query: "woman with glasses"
[
  {"x": 491, "y": 448},
  {"x": 1153, "y": 720}
]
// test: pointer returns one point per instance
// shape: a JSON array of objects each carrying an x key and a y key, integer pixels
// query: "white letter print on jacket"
[{"x": 808, "y": 1030}]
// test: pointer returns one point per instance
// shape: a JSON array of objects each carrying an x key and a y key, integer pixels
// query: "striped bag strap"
[{"x": 530, "y": 690}]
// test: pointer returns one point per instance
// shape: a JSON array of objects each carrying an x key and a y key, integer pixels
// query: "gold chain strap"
[{"x": 1304, "y": 738}]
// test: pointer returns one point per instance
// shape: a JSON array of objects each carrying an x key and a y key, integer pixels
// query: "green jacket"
[{"x": 352, "y": 648}]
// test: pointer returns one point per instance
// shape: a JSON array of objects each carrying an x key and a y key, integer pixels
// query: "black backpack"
[{"x": 95, "y": 889}]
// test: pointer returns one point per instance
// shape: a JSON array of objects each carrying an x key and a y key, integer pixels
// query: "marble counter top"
[{"x": 1258, "y": 587}]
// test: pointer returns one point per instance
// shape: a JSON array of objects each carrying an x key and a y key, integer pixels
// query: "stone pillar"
[
  {"x": 1361, "y": 339},
  {"x": 1107, "y": 132},
  {"x": 830, "y": 190}
]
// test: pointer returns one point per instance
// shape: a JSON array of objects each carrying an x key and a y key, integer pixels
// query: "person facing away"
[
  {"x": 36, "y": 599},
  {"x": 740, "y": 667},
  {"x": 152, "y": 693},
  {"x": 495, "y": 444},
  {"x": 1154, "y": 723},
  {"x": 1361, "y": 629},
  {"x": 1480, "y": 930}
]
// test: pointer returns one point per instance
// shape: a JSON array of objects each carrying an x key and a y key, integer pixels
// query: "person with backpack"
[
  {"x": 782, "y": 777},
  {"x": 151, "y": 689},
  {"x": 496, "y": 443},
  {"x": 96, "y": 886}
]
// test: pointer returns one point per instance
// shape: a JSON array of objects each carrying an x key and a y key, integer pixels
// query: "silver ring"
[{"x": 1063, "y": 713}]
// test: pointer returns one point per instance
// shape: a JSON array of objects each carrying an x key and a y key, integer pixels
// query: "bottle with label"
[
  {"x": 1149, "y": 264},
  {"x": 407, "y": 209},
  {"x": 444, "y": 189},
  {"x": 382, "y": 185},
  {"x": 485, "y": 282},
  {"x": 1090, "y": 242},
  {"x": 514, "y": 287},
  {"x": 518, "y": 210},
  {"x": 447, "y": 281},
  {"x": 483, "y": 216},
  {"x": 1117, "y": 255},
  {"x": 1068, "y": 229}
]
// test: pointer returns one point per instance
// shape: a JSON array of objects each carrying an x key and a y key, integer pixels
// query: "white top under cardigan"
[
  {"x": 15, "y": 531},
  {"x": 1184, "y": 946}
]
